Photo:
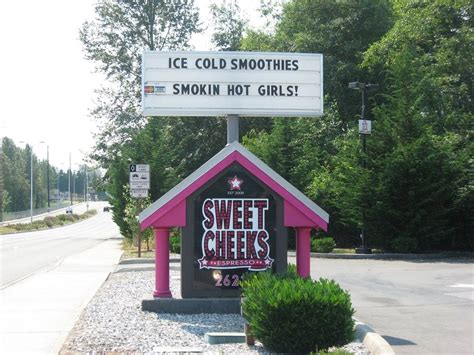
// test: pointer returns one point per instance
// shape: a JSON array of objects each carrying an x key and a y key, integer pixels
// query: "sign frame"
[
  {"x": 189, "y": 262},
  {"x": 266, "y": 105}
]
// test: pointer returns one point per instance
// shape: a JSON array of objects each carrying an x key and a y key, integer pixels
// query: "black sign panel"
[{"x": 232, "y": 230}]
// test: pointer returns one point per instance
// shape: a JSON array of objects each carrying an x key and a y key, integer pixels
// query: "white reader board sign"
[{"x": 185, "y": 83}]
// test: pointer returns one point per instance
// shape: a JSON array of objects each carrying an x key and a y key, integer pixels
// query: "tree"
[
  {"x": 114, "y": 41},
  {"x": 340, "y": 30},
  {"x": 229, "y": 25}
]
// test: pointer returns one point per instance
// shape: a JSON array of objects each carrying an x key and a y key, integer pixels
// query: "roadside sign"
[
  {"x": 184, "y": 83},
  {"x": 140, "y": 176},
  {"x": 139, "y": 180},
  {"x": 139, "y": 168},
  {"x": 139, "y": 184},
  {"x": 365, "y": 126},
  {"x": 139, "y": 193}
]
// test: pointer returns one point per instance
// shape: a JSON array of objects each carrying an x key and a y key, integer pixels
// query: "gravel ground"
[{"x": 114, "y": 323}]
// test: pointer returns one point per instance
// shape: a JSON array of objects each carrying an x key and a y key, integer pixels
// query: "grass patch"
[
  {"x": 343, "y": 251},
  {"x": 130, "y": 250},
  {"x": 46, "y": 223}
]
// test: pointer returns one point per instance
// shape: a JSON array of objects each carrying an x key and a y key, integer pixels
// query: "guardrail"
[{"x": 10, "y": 216}]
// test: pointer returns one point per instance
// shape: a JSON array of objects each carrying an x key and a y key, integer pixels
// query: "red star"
[{"x": 235, "y": 183}]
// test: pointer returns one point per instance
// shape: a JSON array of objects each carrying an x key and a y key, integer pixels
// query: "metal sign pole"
[{"x": 232, "y": 128}]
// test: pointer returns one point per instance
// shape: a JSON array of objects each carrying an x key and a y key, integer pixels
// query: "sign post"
[{"x": 139, "y": 185}]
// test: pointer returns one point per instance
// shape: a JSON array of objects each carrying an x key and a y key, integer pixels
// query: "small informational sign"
[
  {"x": 139, "y": 168},
  {"x": 139, "y": 185},
  {"x": 139, "y": 180},
  {"x": 139, "y": 193},
  {"x": 179, "y": 83},
  {"x": 365, "y": 126}
]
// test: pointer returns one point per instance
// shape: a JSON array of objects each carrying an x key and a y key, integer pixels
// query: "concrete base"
[
  {"x": 192, "y": 305},
  {"x": 224, "y": 338}
]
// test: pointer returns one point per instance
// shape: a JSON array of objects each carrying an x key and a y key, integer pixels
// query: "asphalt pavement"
[
  {"x": 40, "y": 304},
  {"x": 22, "y": 254},
  {"x": 419, "y": 307}
]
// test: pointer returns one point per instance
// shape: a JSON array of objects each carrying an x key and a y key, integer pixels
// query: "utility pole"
[
  {"x": 69, "y": 179},
  {"x": 1, "y": 179},
  {"x": 47, "y": 177}
]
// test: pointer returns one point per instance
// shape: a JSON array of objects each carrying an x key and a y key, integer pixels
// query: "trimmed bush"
[
  {"x": 21, "y": 226},
  {"x": 51, "y": 221},
  {"x": 323, "y": 245},
  {"x": 62, "y": 217},
  {"x": 75, "y": 216},
  {"x": 289, "y": 314},
  {"x": 39, "y": 225}
]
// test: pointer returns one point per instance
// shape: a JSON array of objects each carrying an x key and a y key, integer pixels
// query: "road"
[
  {"x": 24, "y": 254},
  {"x": 419, "y": 307}
]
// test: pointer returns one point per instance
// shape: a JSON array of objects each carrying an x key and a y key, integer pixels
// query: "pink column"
[
  {"x": 303, "y": 251},
  {"x": 162, "y": 263}
]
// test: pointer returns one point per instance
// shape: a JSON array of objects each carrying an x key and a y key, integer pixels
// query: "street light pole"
[
  {"x": 47, "y": 177},
  {"x": 31, "y": 184},
  {"x": 364, "y": 130},
  {"x": 69, "y": 179}
]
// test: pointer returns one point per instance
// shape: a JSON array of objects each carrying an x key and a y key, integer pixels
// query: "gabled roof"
[{"x": 170, "y": 209}]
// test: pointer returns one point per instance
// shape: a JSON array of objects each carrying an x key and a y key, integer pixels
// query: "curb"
[
  {"x": 387, "y": 256},
  {"x": 373, "y": 341},
  {"x": 146, "y": 261},
  {"x": 390, "y": 256}
]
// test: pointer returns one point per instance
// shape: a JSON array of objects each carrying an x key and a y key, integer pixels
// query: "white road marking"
[{"x": 463, "y": 285}]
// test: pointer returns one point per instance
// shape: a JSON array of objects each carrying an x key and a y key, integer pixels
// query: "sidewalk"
[{"x": 36, "y": 314}]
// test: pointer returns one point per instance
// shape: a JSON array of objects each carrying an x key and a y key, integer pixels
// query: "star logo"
[{"x": 235, "y": 183}]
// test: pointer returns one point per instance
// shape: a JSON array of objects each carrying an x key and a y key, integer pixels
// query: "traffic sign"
[
  {"x": 139, "y": 193},
  {"x": 139, "y": 184},
  {"x": 365, "y": 126},
  {"x": 139, "y": 168},
  {"x": 140, "y": 176}
]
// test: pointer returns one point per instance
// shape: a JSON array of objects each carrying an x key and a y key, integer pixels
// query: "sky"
[{"x": 46, "y": 85}]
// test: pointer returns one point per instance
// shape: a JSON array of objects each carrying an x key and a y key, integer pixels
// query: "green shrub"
[
  {"x": 38, "y": 225},
  {"x": 175, "y": 244},
  {"x": 323, "y": 245},
  {"x": 89, "y": 213},
  {"x": 75, "y": 216},
  {"x": 51, "y": 221},
  {"x": 290, "y": 314},
  {"x": 21, "y": 226},
  {"x": 62, "y": 217},
  {"x": 404, "y": 245}
]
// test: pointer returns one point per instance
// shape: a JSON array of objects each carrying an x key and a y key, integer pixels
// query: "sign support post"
[{"x": 232, "y": 128}]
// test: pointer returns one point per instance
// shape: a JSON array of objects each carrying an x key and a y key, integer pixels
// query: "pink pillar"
[
  {"x": 162, "y": 263},
  {"x": 303, "y": 251}
]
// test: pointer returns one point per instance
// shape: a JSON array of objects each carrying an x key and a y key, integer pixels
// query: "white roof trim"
[{"x": 229, "y": 149}]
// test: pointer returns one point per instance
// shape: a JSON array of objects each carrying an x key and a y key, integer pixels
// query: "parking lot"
[{"x": 419, "y": 307}]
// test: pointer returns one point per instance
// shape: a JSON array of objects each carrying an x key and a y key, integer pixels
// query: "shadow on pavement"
[{"x": 397, "y": 341}]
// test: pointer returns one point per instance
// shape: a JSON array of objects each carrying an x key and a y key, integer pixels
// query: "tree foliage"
[
  {"x": 229, "y": 25},
  {"x": 416, "y": 186},
  {"x": 115, "y": 41},
  {"x": 15, "y": 176}
]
